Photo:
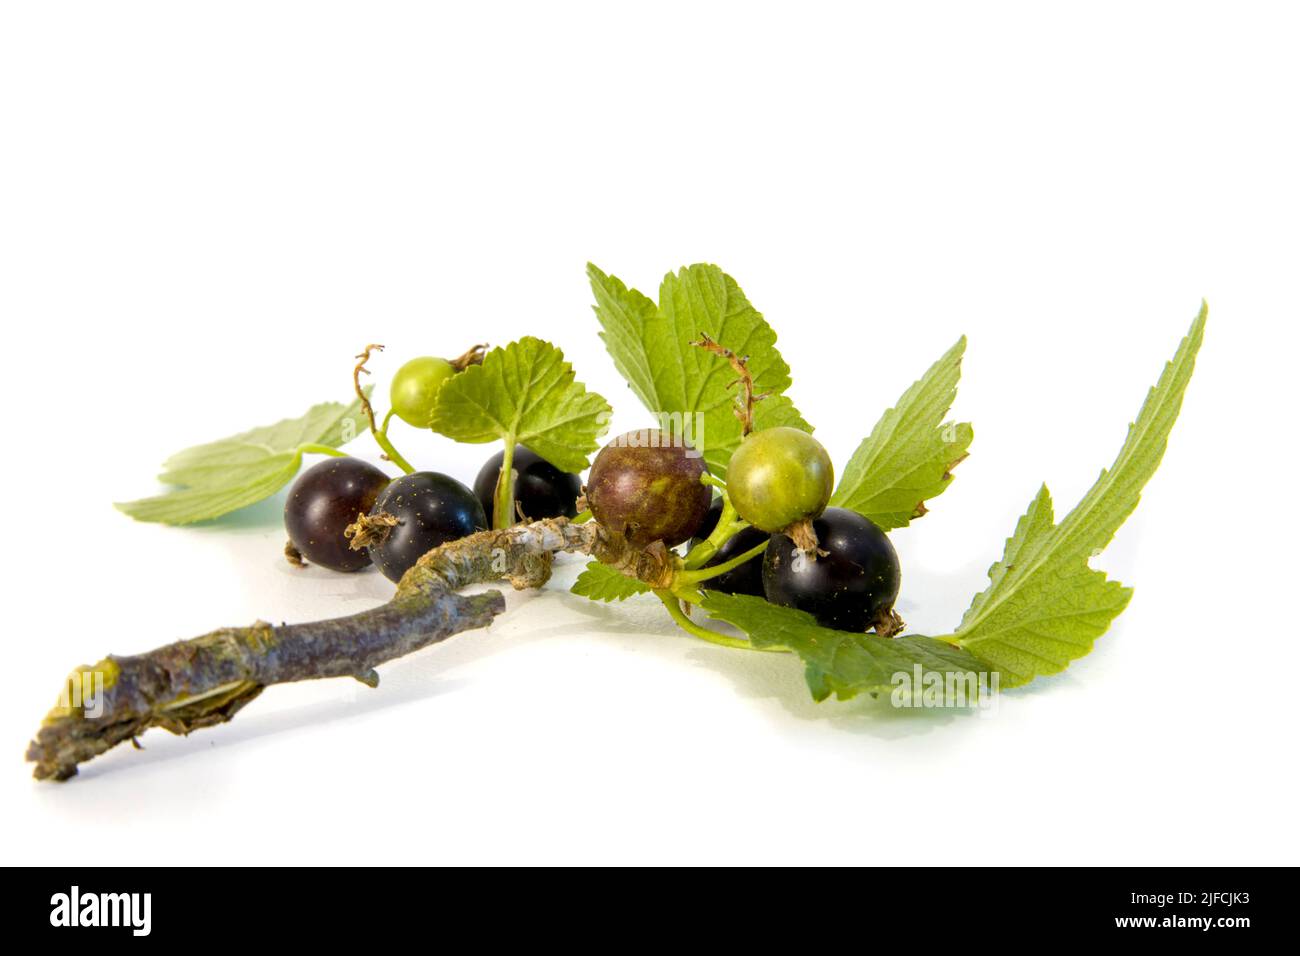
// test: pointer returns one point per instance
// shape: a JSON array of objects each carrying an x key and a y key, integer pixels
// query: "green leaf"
[
  {"x": 600, "y": 582},
  {"x": 908, "y": 457},
  {"x": 1044, "y": 606},
  {"x": 239, "y": 487},
  {"x": 524, "y": 393},
  {"x": 843, "y": 663},
  {"x": 651, "y": 348},
  {"x": 222, "y": 476}
]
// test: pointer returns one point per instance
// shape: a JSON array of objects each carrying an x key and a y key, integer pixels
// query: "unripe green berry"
[
  {"x": 414, "y": 391},
  {"x": 779, "y": 476}
]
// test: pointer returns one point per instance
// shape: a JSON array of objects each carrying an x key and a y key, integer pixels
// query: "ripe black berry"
[
  {"x": 325, "y": 499},
  {"x": 430, "y": 509},
  {"x": 541, "y": 489},
  {"x": 851, "y": 588}
]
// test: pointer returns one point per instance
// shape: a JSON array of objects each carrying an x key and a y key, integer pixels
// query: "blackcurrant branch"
[{"x": 206, "y": 680}]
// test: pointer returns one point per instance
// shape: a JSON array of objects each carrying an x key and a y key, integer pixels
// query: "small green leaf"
[
  {"x": 908, "y": 457},
  {"x": 651, "y": 347},
  {"x": 600, "y": 582},
  {"x": 843, "y": 663},
  {"x": 524, "y": 393},
  {"x": 1044, "y": 606},
  {"x": 222, "y": 476}
]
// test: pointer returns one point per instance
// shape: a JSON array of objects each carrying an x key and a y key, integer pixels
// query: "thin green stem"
[
  {"x": 679, "y": 616},
  {"x": 503, "y": 501},
  {"x": 311, "y": 448},
  {"x": 674, "y": 607},
  {"x": 729, "y": 523},
  {"x": 381, "y": 439},
  {"x": 380, "y": 434},
  {"x": 695, "y": 577}
]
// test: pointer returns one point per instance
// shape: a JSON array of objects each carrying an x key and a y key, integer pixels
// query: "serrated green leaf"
[
  {"x": 1044, "y": 606},
  {"x": 329, "y": 423},
  {"x": 843, "y": 663},
  {"x": 223, "y": 476},
  {"x": 651, "y": 348},
  {"x": 524, "y": 393},
  {"x": 908, "y": 457},
  {"x": 600, "y": 582}
]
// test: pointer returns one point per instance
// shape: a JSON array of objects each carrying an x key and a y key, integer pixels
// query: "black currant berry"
[
  {"x": 541, "y": 489},
  {"x": 746, "y": 579},
  {"x": 851, "y": 588},
  {"x": 430, "y": 509},
  {"x": 646, "y": 486},
  {"x": 325, "y": 499}
]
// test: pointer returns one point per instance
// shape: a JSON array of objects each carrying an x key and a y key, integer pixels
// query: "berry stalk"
[
  {"x": 503, "y": 501},
  {"x": 379, "y": 434}
]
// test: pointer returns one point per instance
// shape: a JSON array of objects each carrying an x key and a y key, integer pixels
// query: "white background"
[{"x": 208, "y": 209}]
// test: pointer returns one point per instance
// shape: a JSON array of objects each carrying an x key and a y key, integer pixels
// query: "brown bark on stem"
[{"x": 206, "y": 680}]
